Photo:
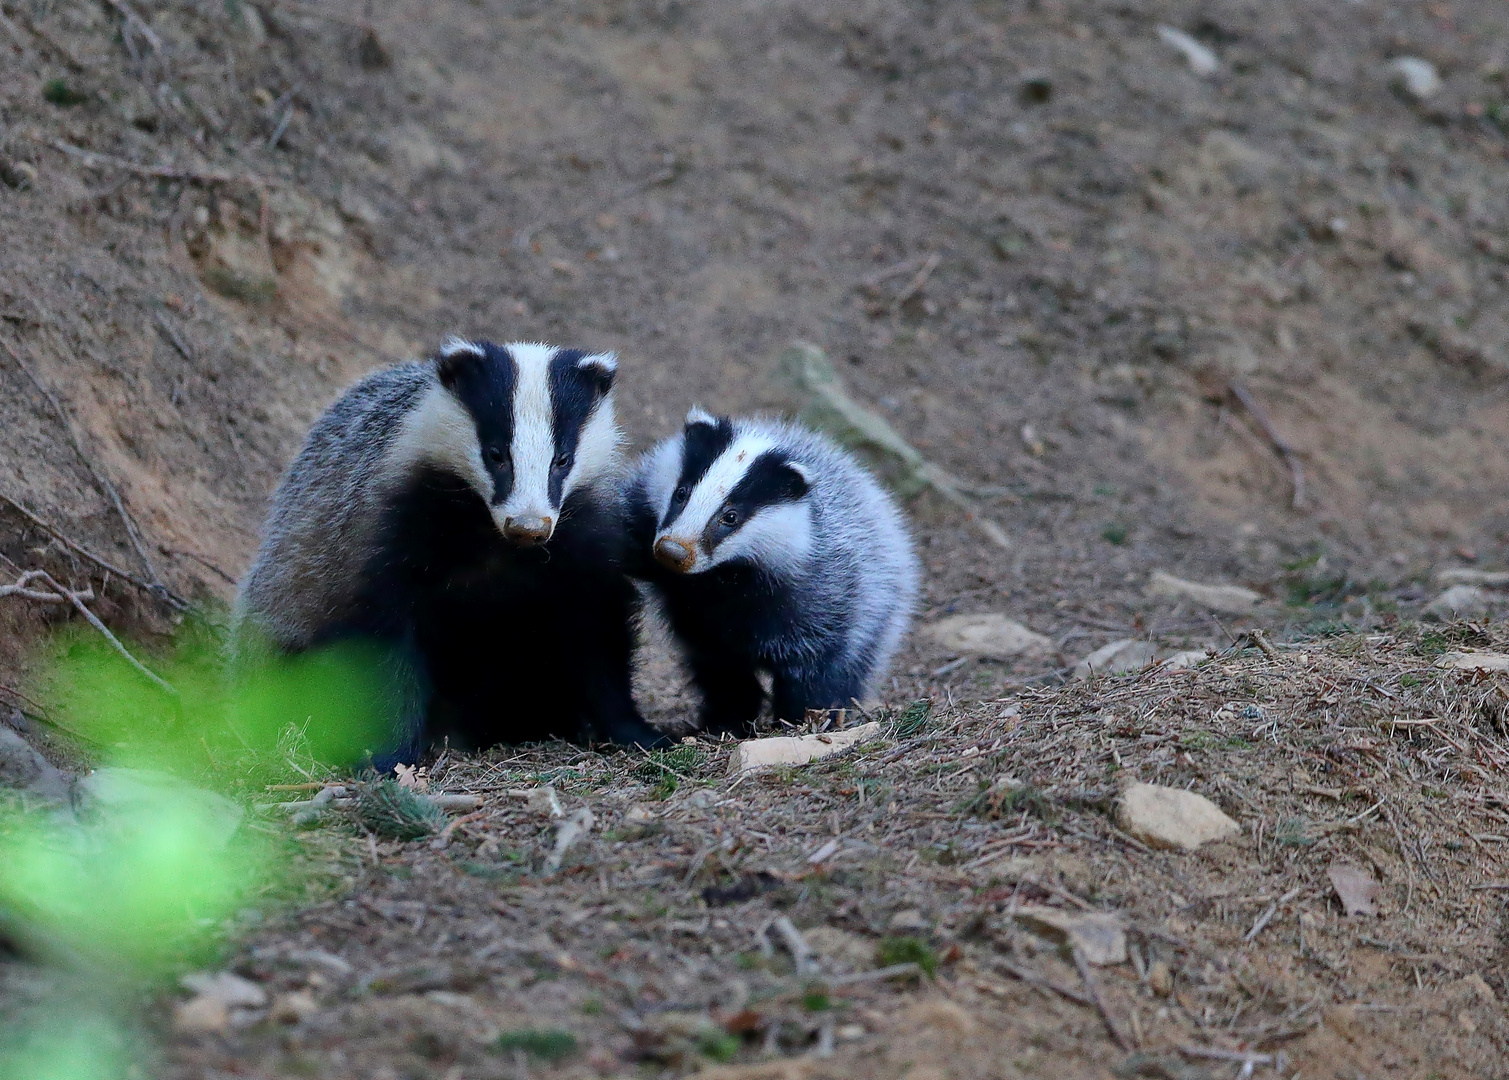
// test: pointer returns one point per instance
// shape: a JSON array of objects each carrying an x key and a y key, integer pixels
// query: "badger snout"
[
  {"x": 527, "y": 531},
  {"x": 675, "y": 555}
]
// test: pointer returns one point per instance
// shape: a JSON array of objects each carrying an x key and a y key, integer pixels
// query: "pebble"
[
  {"x": 1098, "y": 935},
  {"x": 1415, "y": 76},
  {"x": 218, "y": 997},
  {"x": 1232, "y": 599},
  {"x": 1458, "y": 602},
  {"x": 1355, "y": 888},
  {"x": 293, "y": 1008},
  {"x": 1160, "y": 979},
  {"x": 1202, "y": 60},
  {"x": 797, "y": 750},
  {"x": 1164, "y": 817},
  {"x": 22, "y": 767},
  {"x": 1185, "y": 658},
  {"x": 990, "y": 635},
  {"x": 128, "y": 795},
  {"x": 1117, "y": 658},
  {"x": 910, "y": 921}
]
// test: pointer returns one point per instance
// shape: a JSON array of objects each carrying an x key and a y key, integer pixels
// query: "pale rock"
[
  {"x": 220, "y": 998},
  {"x": 910, "y": 921},
  {"x": 1478, "y": 987},
  {"x": 1458, "y": 602},
  {"x": 990, "y": 635},
  {"x": 123, "y": 796},
  {"x": 293, "y": 1008},
  {"x": 1474, "y": 661},
  {"x": 1160, "y": 978},
  {"x": 797, "y": 750},
  {"x": 841, "y": 946},
  {"x": 1418, "y": 78},
  {"x": 201, "y": 1014},
  {"x": 1464, "y": 575},
  {"x": 1201, "y": 59},
  {"x": 1099, "y": 935},
  {"x": 1117, "y": 658},
  {"x": 1185, "y": 658},
  {"x": 1164, "y": 817},
  {"x": 1232, "y": 599},
  {"x": 1355, "y": 888},
  {"x": 22, "y": 767}
]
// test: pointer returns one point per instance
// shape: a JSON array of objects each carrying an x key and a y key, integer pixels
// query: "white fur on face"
[
  {"x": 439, "y": 431},
  {"x": 778, "y": 537},
  {"x": 533, "y": 445},
  {"x": 599, "y": 442},
  {"x": 774, "y": 535}
]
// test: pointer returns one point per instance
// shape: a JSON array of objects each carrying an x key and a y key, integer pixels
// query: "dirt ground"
[{"x": 1127, "y": 303}]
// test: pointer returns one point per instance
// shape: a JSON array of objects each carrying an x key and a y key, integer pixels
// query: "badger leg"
[
  {"x": 795, "y": 693},
  {"x": 731, "y": 694},
  {"x": 605, "y": 676},
  {"x": 405, "y": 682}
]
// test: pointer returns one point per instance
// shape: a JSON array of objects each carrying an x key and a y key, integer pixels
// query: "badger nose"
[
  {"x": 527, "y": 531},
  {"x": 674, "y": 554}
]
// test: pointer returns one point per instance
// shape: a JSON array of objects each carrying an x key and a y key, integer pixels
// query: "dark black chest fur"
[{"x": 515, "y": 643}]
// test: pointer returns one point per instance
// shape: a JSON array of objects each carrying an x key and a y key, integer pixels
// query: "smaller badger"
[
  {"x": 463, "y": 517},
  {"x": 772, "y": 551}
]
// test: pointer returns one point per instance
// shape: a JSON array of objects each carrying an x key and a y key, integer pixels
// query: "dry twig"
[
  {"x": 139, "y": 24},
  {"x": 152, "y": 172},
  {"x": 1093, "y": 989},
  {"x": 94, "y": 621},
  {"x": 1280, "y": 445}
]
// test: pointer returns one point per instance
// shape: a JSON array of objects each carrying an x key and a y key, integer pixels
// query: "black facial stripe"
[
  {"x": 485, "y": 385},
  {"x": 574, "y": 392},
  {"x": 768, "y": 481},
  {"x": 702, "y": 444}
]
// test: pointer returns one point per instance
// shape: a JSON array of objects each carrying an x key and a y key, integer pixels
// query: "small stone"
[
  {"x": 123, "y": 796},
  {"x": 1160, "y": 978},
  {"x": 1165, "y": 817},
  {"x": 797, "y": 750},
  {"x": 991, "y": 635},
  {"x": 293, "y": 1008},
  {"x": 1458, "y": 602},
  {"x": 1201, "y": 59},
  {"x": 1185, "y": 658},
  {"x": 20, "y": 175},
  {"x": 1465, "y": 575},
  {"x": 1474, "y": 661},
  {"x": 1478, "y": 987},
  {"x": 1232, "y": 599},
  {"x": 1098, "y": 935},
  {"x": 1414, "y": 76},
  {"x": 225, "y": 986},
  {"x": 22, "y": 767},
  {"x": 1355, "y": 888},
  {"x": 201, "y": 1014},
  {"x": 1117, "y": 658},
  {"x": 910, "y": 921}
]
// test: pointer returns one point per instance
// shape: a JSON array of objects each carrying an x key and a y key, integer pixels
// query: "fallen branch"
[
  {"x": 796, "y": 945},
  {"x": 151, "y": 172},
  {"x": 1280, "y": 446},
  {"x": 1032, "y": 978},
  {"x": 156, "y": 585},
  {"x": 1093, "y": 989},
  {"x": 570, "y": 831},
  {"x": 914, "y": 286},
  {"x": 74, "y": 546},
  {"x": 23, "y": 589},
  {"x": 94, "y": 621},
  {"x": 138, "y": 24}
]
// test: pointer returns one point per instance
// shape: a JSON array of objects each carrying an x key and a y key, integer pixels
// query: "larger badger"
[
  {"x": 464, "y": 516},
  {"x": 773, "y": 551}
]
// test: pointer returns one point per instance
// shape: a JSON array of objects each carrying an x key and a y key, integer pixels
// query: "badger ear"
[
  {"x": 601, "y": 369},
  {"x": 795, "y": 480},
  {"x": 696, "y": 416},
  {"x": 457, "y": 356}
]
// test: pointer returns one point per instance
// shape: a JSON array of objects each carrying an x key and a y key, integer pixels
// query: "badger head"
[
  {"x": 524, "y": 425},
  {"x": 726, "y": 493}
]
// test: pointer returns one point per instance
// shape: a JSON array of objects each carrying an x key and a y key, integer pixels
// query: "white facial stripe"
[
  {"x": 440, "y": 431},
  {"x": 716, "y": 484},
  {"x": 779, "y": 535},
  {"x": 533, "y": 435},
  {"x": 607, "y": 361},
  {"x": 698, "y": 415},
  {"x": 598, "y": 445}
]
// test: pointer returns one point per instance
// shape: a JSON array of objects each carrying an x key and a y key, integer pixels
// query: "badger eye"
[
  {"x": 494, "y": 454},
  {"x": 681, "y": 494},
  {"x": 730, "y": 518},
  {"x": 562, "y": 461}
]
